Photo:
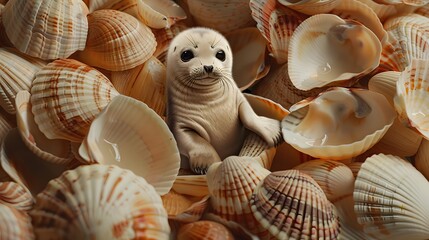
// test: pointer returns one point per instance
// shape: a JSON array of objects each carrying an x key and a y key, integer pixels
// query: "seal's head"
[{"x": 200, "y": 56}]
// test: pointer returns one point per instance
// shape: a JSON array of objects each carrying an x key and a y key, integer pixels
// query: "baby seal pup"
[{"x": 206, "y": 111}]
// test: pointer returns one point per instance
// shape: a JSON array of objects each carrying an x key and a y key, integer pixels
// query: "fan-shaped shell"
[
  {"x": 118, "y": 137},
  {"x": 204, "y": 230},
  {"x": 422, "y": 158},
  {"x": 66, "y": 96},
  {"x": 291, "y": 205},
  {"x": 355, "y": 167},
  {"x": 412, "y": 96},
  {"x": 163, "y": 39},
  {"x": 383, "y": 11},
  {"x": 332, "y": 125},
  {"x": 99, "y": 202},
  {"x": 46, "y": 29},
  {"x": 17, "y": 73},
  {"x": 117, "y": 41},
  {"x": 333, "y": 50},
  {"x": 310, "y": 7},
  {"x": 391, "y": 199},
  {"x": 14, "y": 224},
  {"x": 193, "y": 185},
  {"x": 15, "y": 196},
  {"x": 184, "y": 208}
]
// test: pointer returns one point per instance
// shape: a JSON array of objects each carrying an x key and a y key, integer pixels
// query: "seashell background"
[{"x": 86, "y": 153}]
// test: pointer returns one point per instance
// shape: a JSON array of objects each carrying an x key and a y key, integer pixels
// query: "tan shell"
[
  {"x": 383, "y": 11},
  {"x": 391, "y": 199},
  {"x": 287, "y": 157},
  {"x": 208, "y": 230},
  {"x": 331, "y": 125},
  {"x": 422, "y": 158},
  {"x": 193, "y": 185},
  {"x": 291, "y": 205},
  {"x": 14, "y": 224},
  {"x": 99, "y": 202},
  {"x": 333, "y": 50},
  {"x": 47, "y": 29},
  {"x": 184, "y": 208},
  {"x": 164, "y": 37},
  {"x": 15, "y": 196},
  {"x": 123, "y": 135},
  {"x": 117, "y": 41},
  {"x": 311, "y": 7},
  {"x": 17, "y": 72},
  {"x": 60, "y": 115},
  {"x": 145, "y": 82}
]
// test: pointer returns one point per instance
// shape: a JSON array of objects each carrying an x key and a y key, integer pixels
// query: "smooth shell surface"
[
  {"x": 99, "y": 202},
  {"x": 132, "y": 136}
]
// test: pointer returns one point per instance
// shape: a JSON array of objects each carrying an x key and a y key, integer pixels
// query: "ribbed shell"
[
  {"x": 99, "y": 202},
  {"x": 15, "y": 224},
  {"x": 117, "y": 41},
  {"x": 391, "y": 199},
  {"x": 311, "y": 7},
  {"x": 207, "y": 230},
  {"x": 422, "y": 158},
  {"x": 47, "y": 29},
  {"x": 14, "y": 195},
  {"x": 66, "y": 96},
  {"x": 291, "y": 205}
]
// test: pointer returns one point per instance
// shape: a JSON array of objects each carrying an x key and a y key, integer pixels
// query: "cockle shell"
[
  {"x": 333, "y": 50},
  {"x": 310, "y": 7},
  {"x": 52, "y": 150},
  {"x": 208, "y": 230},
  {"x": 15, "y": 196},
  {"x": 47, "y": 29},
  {"x": 291, "y": 205},
  {"x": 118, "y": 137},
  {"x": 99, "y": 202},
  {"x": 17, "y": 73},
  {"x": 331, "y": 125},
  {"x": 117, "y": 41},
  {"x": 145, "y": 82},
  {"x": 184, "y": 209},
  {"x": 231, "y": 184},
  {"x": 66, "y": 96},
  {"x": 412, "y": 96},
  {"x": 153, "y": 13},
  {"x": 355, "y": 167},
  {"x": 391, "y": 199},
  {"x": 15, "y": 224}
]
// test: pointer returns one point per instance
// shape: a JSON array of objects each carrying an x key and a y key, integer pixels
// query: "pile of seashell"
[{"x": 86, "y": 153}]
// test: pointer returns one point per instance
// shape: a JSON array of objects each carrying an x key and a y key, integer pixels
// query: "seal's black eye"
[
  {"x": 187, "y": 55},
  {"x": 220, "y": 55}
]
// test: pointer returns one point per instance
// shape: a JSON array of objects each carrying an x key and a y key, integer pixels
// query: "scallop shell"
[
  {"x": 221, "y": 15},
  {"x": 261, "y": 11},
  {"x": 310, "y": 7},
  {"x": 193, "y": 185},
  {"x": 54, "y": 97},
  {"x": 164, "y": 37},
  {"x": 291, "y": 205},
  {"x": 118, "y": 137},
  {"x": 341, "y": 115},
  {"x": 47, "y": 29},
  {"x": 323, "y": 44},
  {"x": 52, "y": 150},
  {"x": 15, "y": 196},
  {"x": 208, "y": 230},
  {"x": 117, "y": 41},
  {"x": 412, "y": 96},
  {"x": 231, "y": 184},
  {"x": 145, "y": 82},
  {"x": 385, "y": 83},
  {"x": 248, "y": 49},
  {"x": 335, "y": 178},
  {"x": 99, "y": 202},
  {"x": 15, "y": 224},
  {"x": 391, "y": 199},
  {"x": 153, "y": 13},
  {"x": 17, "y": 72}
]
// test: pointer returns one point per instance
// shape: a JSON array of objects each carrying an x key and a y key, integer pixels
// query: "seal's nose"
[{"x": 208, "y": 69}]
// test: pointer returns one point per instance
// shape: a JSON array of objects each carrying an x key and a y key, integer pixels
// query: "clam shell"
[
  {"x": 17, "y": 72},
  {"x": 422, "y": 158},
  {"x": 15, "y": 224},
  {"x": 47, "y": 29},
  {"x": 391, "y": 199},
  {"x": 99, "y": 202},
  {"x": 117, "y": 41},
  {"x": 204, "y": 230},
  {"x": 66, "y": 96},
  {"x": 51, "y": 150},
  {"x": 311, "y": 7},
  {"x": 335, "y": 178},
  {"x": 145, "y": 82},
  {"x": 118, "y": 137},
  {"x": 323, "y": 43},
  {"x": 15, "y": 196},
  {"x": 412, "y": 96},
  {"x": 231, "y": 184},
  {"x": 291, "y": 205},
  {"x": 339, "y": 111}
]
